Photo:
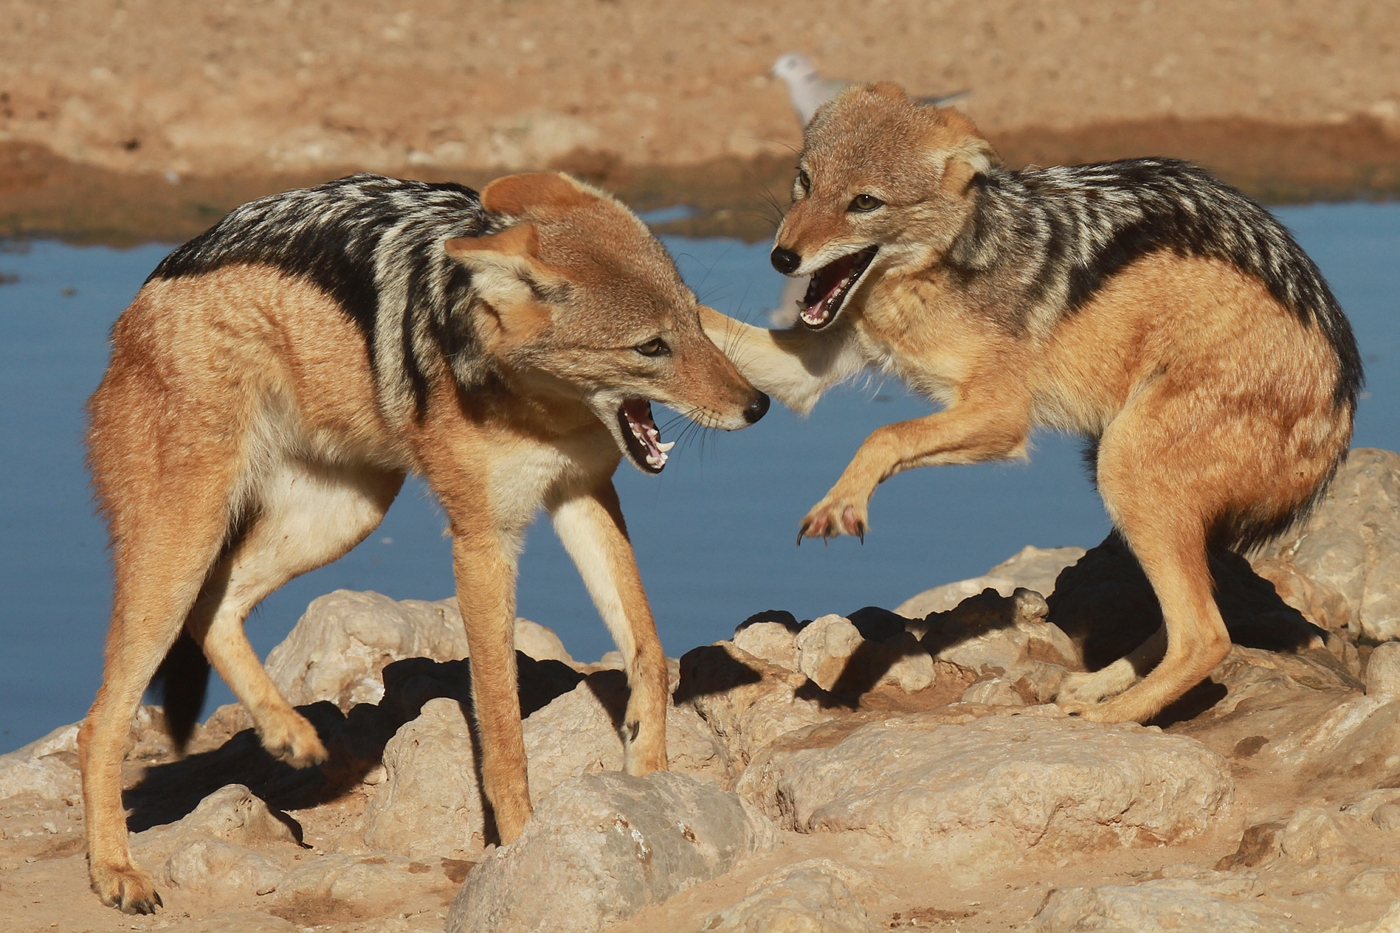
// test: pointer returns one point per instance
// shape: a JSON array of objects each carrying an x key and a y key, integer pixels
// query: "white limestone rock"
[
  {"x": 429, "y": 801},
  {"x": 1032, "y": 567},
  {"x": 1351, "y": 541},
  {"x": 1155, "y": 906},
  {"x": 46, "y": 767},
  {"x": 987, "y": 793},
  {"x": 340, "y": 646},
  {"x": 812, "y": 896},
  {"x": 604, "y": 846}
]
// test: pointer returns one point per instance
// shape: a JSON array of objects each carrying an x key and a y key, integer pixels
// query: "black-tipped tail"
[{"x": 181, "y": 682}]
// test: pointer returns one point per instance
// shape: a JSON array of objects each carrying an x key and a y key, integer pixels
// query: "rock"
[
  {"x": 536, "y": 641},
  {"x": 1351, "y": 541},
  {"x": 1359, "y": 737},
  {"x": 1107, "y": 607},
  {"x": 429, "y": 803},
  {"x": 1383, "y": 670},
  {"x": 901, "y": 662},
  {"x": 372, "y": 885},
  {"x": 1153, "y": 906},
  {"x": 222, "y": 870},
  {"x": 1032, "y": 567},
  {"x": 945, "y": 597},
  {"x": 229, "y": 846},
  {"x": 747, "y": 702},
  {"x": 825, "y": 649},
  {"x": 606, "y": 845},
  {"x": 995, "y": 692},
  {"x": 1320, "y": 604},
  {"x": 1252, "y": 678},
  {"x": 998, "y": 635},
  {"x": 46, "y": 767},
  {"x": 232, "y": 814},
  {"x": 774, "y": 642},
  {"x": 1315, "y": 833},
  {"x": 410, "y": 683},
  {"x": 1389, "y": 922},
  {"x": 343, "y": 641},
  {"x": 806, "y": 897},
  {"x": 1037, "y": 568},
  {"x": 988, "y": 792}
]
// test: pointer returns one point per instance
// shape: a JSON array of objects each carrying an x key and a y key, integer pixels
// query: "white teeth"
[{"x": 666, "y": 446}]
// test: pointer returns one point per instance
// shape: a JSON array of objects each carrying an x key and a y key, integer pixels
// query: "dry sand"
[{"x": 103, "y": 102}]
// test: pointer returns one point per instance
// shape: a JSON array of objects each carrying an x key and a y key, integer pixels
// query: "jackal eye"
[
  {"x": 865, "y": 203},
  {"x": 656, "y": 347},
  {"x": 804, "y": 182}
]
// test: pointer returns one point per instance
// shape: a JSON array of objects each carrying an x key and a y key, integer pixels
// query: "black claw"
[{"x": 159, "y": 902}]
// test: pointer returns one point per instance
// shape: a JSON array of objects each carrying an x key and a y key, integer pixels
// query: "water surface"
[{"x": 714, "y": 534}]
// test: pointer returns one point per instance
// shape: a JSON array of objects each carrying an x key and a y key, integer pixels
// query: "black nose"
[
  {"x": 785, "y": 260},
  {"x": 756, "y": 408}
]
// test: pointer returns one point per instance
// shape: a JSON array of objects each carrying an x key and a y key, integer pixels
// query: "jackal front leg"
[
  {"x": 993, "y": 427},
  {"x": 591, "y": 528}
]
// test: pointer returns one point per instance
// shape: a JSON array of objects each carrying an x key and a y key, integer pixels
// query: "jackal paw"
[
  {"x": 294, "y": 740},
  {"x": 131, "y": 890},
  {"x": 1080, "y": 693},
  {"x": 835, "y": 516}
]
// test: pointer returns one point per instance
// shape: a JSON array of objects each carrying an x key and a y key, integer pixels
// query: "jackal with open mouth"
[
  {"x": 1141, "y": 304},
  {"x": 276, "y": 378}
]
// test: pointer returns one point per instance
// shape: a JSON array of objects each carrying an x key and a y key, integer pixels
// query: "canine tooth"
[{"x": 666, "y": 446}]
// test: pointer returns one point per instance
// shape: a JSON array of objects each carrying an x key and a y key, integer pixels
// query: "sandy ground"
[{"x": 665, "y": 101}]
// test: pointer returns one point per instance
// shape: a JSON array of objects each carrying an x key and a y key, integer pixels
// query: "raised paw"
[
  {"x": 833, "y": 517},
  {"x": 294, "y": 740},
  {"x": 131, "y": 890}
]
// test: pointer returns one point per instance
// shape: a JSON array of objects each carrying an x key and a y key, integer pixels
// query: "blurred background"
[
  {"x": 127, "y": 126},
  {"x": 658, "y": 99}
]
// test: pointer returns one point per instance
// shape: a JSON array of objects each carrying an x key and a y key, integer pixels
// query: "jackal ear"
[
  {"x": 975, "y": 157},
  {"x": 534, "y": 191},
  {"x": 507, "y": 277},
  {"x": 520, "y": 241}
]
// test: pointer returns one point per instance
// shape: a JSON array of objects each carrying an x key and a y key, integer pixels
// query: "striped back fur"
[
  {"x": 375, "y": 245},
  {"x": 1063, "y": 232}
]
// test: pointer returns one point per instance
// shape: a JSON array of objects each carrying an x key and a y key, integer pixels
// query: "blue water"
[{"x": 714, "y": 534}]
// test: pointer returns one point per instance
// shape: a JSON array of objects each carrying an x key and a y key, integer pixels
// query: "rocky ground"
[
  {"x": 139, "y": 119},
  {"x": 894, "y": 770}
]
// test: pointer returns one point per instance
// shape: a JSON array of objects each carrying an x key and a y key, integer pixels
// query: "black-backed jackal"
[
  {"x": 276, "y": 378},
  {"x": 1141, "y": 304}
]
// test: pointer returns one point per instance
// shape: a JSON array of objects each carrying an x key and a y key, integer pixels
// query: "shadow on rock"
[
  {"x": 355, "y": 742},
  {"x": 1105, "y": 604}
]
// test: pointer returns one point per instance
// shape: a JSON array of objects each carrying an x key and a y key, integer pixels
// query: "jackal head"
[
  {"x": 883, "y": 184},
  {"x": 578, "y": 299}
]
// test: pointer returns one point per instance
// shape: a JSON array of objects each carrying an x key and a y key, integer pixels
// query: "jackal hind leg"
[
  {"x": 593, "y": 532},
  {"x": 1162, "y": 482},
  {"x": 166, "y": 536},
  {"x": 304, "y": 516}
]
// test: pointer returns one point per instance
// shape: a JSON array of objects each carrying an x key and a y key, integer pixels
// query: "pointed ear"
[
  {"x": 505, "y": 275},
  {"x": 889, "y": 89},
  {"x": 975, "y": 157},
  {"x": 521, "y": 241},
  {"x": 535, "y": 191}
]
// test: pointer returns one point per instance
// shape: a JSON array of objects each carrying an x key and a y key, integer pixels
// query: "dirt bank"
[{"x": 103, "y": 103}]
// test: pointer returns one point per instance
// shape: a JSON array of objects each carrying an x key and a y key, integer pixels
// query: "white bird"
[{"x": 809, "y": 88}]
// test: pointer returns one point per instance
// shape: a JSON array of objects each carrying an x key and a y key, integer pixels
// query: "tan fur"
[
  {"x": 244, "y": 398},
  {"x": 1209, "y": 396}
]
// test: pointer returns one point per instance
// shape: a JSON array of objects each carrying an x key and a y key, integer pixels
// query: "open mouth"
[
  {"x": 831, "y": 284},
  {"x": 642, "y": 436}
]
